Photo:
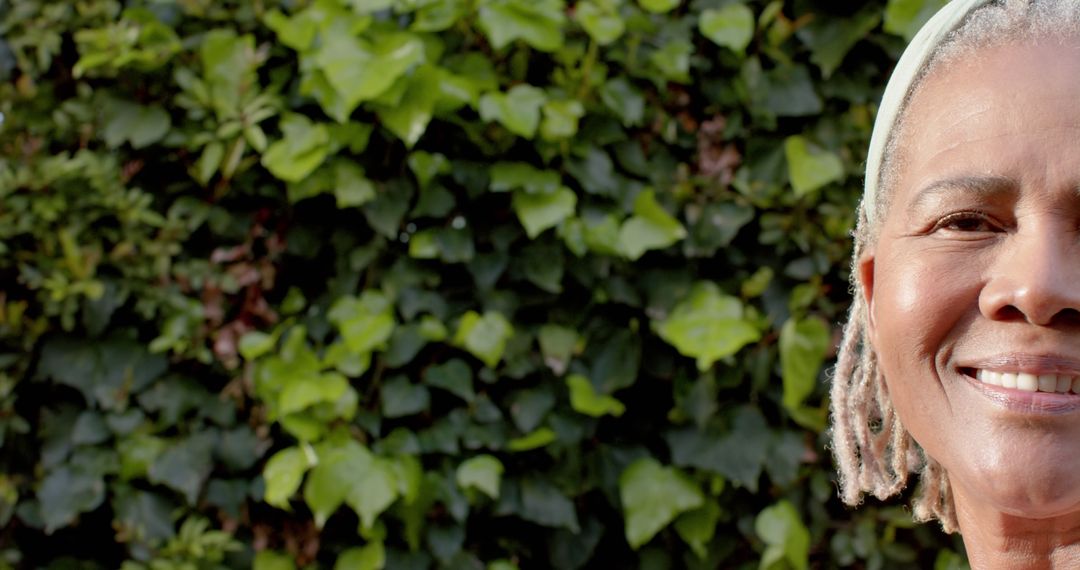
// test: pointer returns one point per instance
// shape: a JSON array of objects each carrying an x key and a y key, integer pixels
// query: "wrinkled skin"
[{"x": 977, "y": 265}]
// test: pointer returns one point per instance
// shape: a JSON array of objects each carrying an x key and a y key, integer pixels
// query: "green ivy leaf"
[
  {"x": 534, "y": 440},
  {"x": 400, "y": 398},
  {"x": 361, "y": 69},
  {"x": 408, "y": 118},
  {"x": 370, "y": 557},
  {"x": 651, "y": 227},
  {"x": 652, "y": 496},
  {"x": 538, "y": 23},
  {"x": 803, "y": 346},
  {"x": 454, "y": 376},
  {"x": 673, "y": 60},
  {"x": 731, "y": 26},
  {"x": 65, "y": 493},
  {"x": 373, "y": 491},
  {"x": 134, "y": 123},
  {"x": 484, "y": 336},
  {"x": 270, "y": 560},
  {"x": 785, "y": 535},
  {"x": 809, "y": 167},
  {"x": 659, "y": 6},
  {"x": 366, "y": 323},
  {"x": 483, "y": 473},
  {"x": 906, "y": 17},
  {"x": 698, "y": 527},
  {"x": 302, "y": 148},
  {"x": 707, "y": 325},
  {"x": 351, "y": 186},
  {"x": 584, "y": 399},
  {"x": 831, "y": 39},
  {"x": 283, "y": 474},
  {"x": 518, "y": 109},
  {"x": 561, "y": 119},
  {"x": 255, "y": 344},
  {"x": 539, "y": 212},
  {"x": 603, "y": 24},
  {"x": 507, "y": 176},
  {"x": 558, "y": 344}
]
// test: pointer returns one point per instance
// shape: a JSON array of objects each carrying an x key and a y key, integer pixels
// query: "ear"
[{"x": 865, "y": 267}]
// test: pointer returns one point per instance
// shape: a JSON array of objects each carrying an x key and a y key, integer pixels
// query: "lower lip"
[{"x": 1031, "y": 403}]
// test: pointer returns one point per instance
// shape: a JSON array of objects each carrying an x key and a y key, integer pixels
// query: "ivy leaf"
[
  {"x": 603, "y": 25},
  {"x": 785, "y": 535},
  {"x": 483, "y": 473},
  {"x": 484, "y": 336},
  {"x": 625, "y": 100},
  {"x": 731, "y": 26},
  {"x": 809, "y": 167},
  {"x": 283, "y": 474},
  {"x": 707, "y": 325},
  {"x": 544, "y": 504},
  {"x": 698, "y": 527},
  {"x": 539, "y": 212},
  {"x": 652, "y": 496},
  {"x": 558, "y": 344},
  {"x": 538, "y": 23},
  {"x": 651, "y": 227},
  {"x": 659, "y": 6},
  {"x": 65, "y": 493},
  {"x": 270, "y": 560},
  {"x": 351, "y": 186},
  {"x": 359, "y": 69},
  {"x": 366, "y": 323},
  {"x": 507, "y": 176},
  {"x": 302, "y": 148},
  {"x": 370, "y": 557},
  {"x": 534, "y": 440},
  {"x": 803, "y": 346},
  {"x": 673, "y": 60},
  {"x": 454, "y": 376},
  {"x": 331, "y": 480},
  {"x": 831, "y": 39},
  {"x": 255, "y": 344},
  {"x": 561, "y": 119},
  {"x": 906, "y": 17},
  {"x": 185, "y": 466},
  {"x": 518, "y": 109},
  {"x": 400, "y": 398},
  {"x": 134, "y": 123},
  {"x": 409, "y": 117},
  {"x": 584, "y": 399},
  {"x": 373, "y": 491}
]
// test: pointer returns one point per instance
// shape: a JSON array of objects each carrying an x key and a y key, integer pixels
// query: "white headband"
[{"x": 896, "y": 91}]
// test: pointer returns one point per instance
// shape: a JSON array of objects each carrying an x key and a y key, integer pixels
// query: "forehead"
[{"x": 1011, "y": 111}]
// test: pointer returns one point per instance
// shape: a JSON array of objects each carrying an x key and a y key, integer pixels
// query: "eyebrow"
[{"x": 987, "y": 187}]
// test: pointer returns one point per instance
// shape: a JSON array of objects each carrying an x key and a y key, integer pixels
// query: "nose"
[{"x": 1035, "y": 279}]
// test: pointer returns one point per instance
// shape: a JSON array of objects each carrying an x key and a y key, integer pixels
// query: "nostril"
[
  {"x": 1010, "y": 313},
  {"x": 1067, "y": 316}
]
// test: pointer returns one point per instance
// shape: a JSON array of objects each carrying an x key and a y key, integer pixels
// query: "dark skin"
[{"x": 977, "y": 267}]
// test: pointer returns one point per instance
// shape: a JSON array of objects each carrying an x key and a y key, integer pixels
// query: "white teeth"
[
  {"x": 1030, "y": 382},
  {"x": 1064, "y": 384},
  {"x": 1047, "y": 382},
  {"x": 1027, "y": 382}
]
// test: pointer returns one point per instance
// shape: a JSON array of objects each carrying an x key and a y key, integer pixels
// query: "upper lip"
[{"x": 1029, "y": 363}]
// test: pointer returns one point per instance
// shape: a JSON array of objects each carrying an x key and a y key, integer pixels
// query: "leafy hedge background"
[{"x": 412, "y": 284}]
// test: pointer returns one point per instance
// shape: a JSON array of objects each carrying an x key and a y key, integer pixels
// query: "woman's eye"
[{"x": 966, "y": 222}]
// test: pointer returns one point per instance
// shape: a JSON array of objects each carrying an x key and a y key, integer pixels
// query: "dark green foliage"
[{"x": 433, "y": 283}]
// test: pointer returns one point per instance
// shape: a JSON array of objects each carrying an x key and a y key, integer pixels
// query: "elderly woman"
[{"x": 961, "y": 357}]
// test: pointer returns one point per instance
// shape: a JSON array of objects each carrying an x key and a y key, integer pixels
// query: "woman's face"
[{"x": 974, "y": 280}]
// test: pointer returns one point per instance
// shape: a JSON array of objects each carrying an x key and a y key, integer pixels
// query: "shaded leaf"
[{"x": 652, "y": 496}]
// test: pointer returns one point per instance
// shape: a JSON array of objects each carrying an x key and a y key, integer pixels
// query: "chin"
[{"x": 1035, "y": 486}]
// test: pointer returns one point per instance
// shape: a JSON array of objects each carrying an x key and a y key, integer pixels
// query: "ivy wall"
[{"x": 410, "y": 284}]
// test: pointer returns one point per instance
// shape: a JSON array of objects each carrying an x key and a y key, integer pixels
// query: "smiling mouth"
[{"x": 1027, "y": 382}]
